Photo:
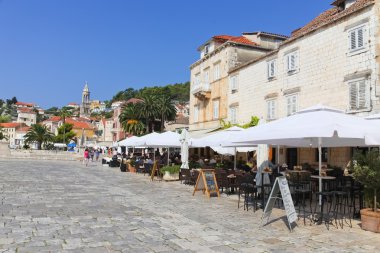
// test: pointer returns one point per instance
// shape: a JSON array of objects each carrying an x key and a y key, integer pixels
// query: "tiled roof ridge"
[
  {"x": 268, "y": 33},
  {"x": 238, "y": 39},
  {"x": 329, "y": 16}
]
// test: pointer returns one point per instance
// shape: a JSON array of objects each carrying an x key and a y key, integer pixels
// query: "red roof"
[
  {"x": 79, "y": 124},
  {"x": 23, "y": 129},
  {"x": 25, "y": 104},
  {"x": 134, "y": 101},
  {"x": 237, "y": 39},
  {"x": 53, "y": 119},
  {"x": 330, "y": 16},
  {"x": 72, "y": 103},
  {"x": 26, "y": 110},
  {"x": 11, "y": 124}
]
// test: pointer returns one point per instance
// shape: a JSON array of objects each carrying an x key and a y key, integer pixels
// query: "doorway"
[{"x": 291, "y": 157}]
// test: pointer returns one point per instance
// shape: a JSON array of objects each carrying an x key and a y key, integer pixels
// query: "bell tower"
[{"x": 85, "y": 105}]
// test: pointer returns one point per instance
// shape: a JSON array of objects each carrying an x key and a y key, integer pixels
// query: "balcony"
[{"x": 202, "y": 91}]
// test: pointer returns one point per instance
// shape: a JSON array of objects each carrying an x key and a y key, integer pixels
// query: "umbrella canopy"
[
  {"x": 317, "y": 126},
  {"x": 219, "y": 141},
  {"x": 143, "y": 140},
  {"x": 128, "y": 141},
  {"x": 71, "y": 145},
  {"x": 166, "y": 139},
  {"x": 314, "y": 126},
  {"x": 184, "y": 140},
  {"x": 232, "y": 150}
]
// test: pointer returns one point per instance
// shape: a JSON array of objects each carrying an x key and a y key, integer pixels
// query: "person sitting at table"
[
  {"x": 254, "y": 167},
  {"x": 201, "y": 162},
  {"x": 212, "y": 161}
]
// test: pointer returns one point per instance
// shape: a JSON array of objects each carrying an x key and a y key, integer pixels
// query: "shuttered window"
[
  {"x": 292, "y": 61},
  {"x": 359, "y": 97},
  {"x": 215, "y": 113},
  {"x": 196, "y": 113},
  {"x": 271, "y": 69},
  {"x": 357, "y": 38},
  {"x": 291, "y": 104},
  {"x": 233, "y": 114},
  {"x": 271, "y": 109},
  {"x": 234, "y": 83},
  {"x": 216, "y": 71}
]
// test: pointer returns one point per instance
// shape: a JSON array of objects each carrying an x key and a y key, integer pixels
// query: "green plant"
[
  {"x": 132, "y": 162},
  {"x": 171, "y": 169},
  {"x": 366, "y": 169}
]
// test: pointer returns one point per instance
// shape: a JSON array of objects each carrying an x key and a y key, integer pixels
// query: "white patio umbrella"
[
  {"x": 184, "y": 139},
  {"x": 220, "y": 139},
  {"x": 166, "y": 139},
  {"x": 318, "y": 126},
  {"x": 143, "y": 140}
]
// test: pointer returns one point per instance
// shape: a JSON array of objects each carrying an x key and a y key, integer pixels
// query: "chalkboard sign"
[
  {"x": 154, "y": 170},
  {"x": 206, "y": 183},
  {"x": 280, "y": 185}
]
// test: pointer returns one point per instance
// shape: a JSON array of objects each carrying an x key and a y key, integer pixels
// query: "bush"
[{"x": 171, "y": 169}]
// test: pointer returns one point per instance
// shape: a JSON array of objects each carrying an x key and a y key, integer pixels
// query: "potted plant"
[
  {"x": 123, "y": 165},
  {"x": 131, "y": 166},
  {"x": 170, "y": 173},
  {"x": 366, "y": 170}
]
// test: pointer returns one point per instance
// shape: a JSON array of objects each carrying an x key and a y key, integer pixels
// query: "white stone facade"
[{"x": 324, "y": 70}]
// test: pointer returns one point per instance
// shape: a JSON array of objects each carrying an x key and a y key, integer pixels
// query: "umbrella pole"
[
  {"x": 235, "y": 160},
  {"x": 278, "y": 159},
  {"x": 320, "y": 169},
  {"x": 168, "y": 155}
]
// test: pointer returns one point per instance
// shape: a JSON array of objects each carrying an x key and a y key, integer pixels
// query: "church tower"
[{"x": 85, "y": 105}]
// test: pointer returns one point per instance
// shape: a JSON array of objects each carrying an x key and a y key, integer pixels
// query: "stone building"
[
  {"x": 210, "y": 79},
  {"x": 333, "y": 60}
]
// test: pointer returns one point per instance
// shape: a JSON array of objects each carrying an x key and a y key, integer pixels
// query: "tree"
[
  {"x": 52, "y": 111},
  {"x": 148, "y": 110},
  {"x": 5, "y": 118},
  {"x": 2, "y": 135},
  {"x": 39, "y": 134},
  {"x": 367, "y": 172},
  {"x": 130, "y": 119},
  {"x": 65, "y": 133},
  {"x": 165, "y": 109},
  {"x": 64, "y": 113}
]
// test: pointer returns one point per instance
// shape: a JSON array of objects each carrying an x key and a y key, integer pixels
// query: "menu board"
[
  {"x": 206, "y": 182},
  {"x": 280, "y": 185}
]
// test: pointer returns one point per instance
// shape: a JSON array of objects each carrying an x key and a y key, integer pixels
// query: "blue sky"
[{"x": 49, "y": 48}]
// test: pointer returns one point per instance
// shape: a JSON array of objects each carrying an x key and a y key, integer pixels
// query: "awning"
[{"x": 201, "y": 133}]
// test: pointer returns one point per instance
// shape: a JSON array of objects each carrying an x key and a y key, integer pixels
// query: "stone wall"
[{"x": 5, "y": 152}]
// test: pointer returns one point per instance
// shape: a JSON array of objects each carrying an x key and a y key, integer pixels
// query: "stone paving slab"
[{"x": 63, "y": 206}]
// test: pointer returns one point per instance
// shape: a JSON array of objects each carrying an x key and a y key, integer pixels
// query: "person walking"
[
  {"x": 97, "y": 152},
  {"x": 92, "y": 155},
  {"x": 86, "y": 156}
]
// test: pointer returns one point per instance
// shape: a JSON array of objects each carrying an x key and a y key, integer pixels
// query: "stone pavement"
[{"x": 56, "y": 206}]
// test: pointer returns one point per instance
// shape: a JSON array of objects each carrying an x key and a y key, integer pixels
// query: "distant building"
[
  {"x": 73, "y": 105},
  {"x": 26, "y": 115},
  {"x": 9, "y": 130},
  {"x": 85, "y": 105}
]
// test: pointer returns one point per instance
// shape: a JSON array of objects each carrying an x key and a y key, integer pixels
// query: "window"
[
  {"x": 196, "y": 113},
  {"x": 271, "y": 109},
  {"x": 271, "y": 68},
  {"x": 324, "y": 155},
  {"x": 357, "y": 38},
  {"x": 292, "y": 62},
  {"x": 233, "y": 115},
  {"x": 291, "y": 104},
  {"x": 206, "y": 76},
  {"x": 217, "y": 71},
  {"x": 359, "y": 98},
  {"x": 215, "y": 114},
  {"x": 234, "y": 83}
]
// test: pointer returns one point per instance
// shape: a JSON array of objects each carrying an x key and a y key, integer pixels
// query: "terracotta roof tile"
[
  {"x": 237, "y": 39},
  {"x": 11, "y": 124},
  {"x": 79, "y": 124},
  {"x": 23, "y": 129},
  {"x": 26, "y": 110},
  {"x": 328, "y": 17},
  {"x": 25, "y": 104}
]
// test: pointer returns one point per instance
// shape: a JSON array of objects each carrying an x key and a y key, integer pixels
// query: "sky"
[{"x": 49, "y": 48}]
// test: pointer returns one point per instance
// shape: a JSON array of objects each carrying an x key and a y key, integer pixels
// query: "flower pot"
[
  {"x": 170, "y": 177},
  {"x": 370, "y": 220},
  {"x": 123, "y": 167}
]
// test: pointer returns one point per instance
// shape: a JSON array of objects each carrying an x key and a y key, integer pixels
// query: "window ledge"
[
  {"x": 234, "y": 91},
  {"x": 270, "y": 79},
  {"x": 357, "y": 51},
  {"x": 357, "y": 111},
  {"x": 292, "y": 72}
]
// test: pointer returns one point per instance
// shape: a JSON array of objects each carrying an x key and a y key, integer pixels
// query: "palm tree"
[
  {"x": 166, "y": 109},
  {"x": 130, "y": 119},
  {"x": 148, "y": 110},
  {"x": 64, "y": 113},
  {"x": 38, "y": 133}
]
